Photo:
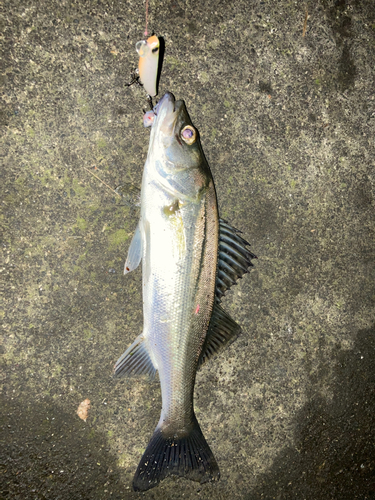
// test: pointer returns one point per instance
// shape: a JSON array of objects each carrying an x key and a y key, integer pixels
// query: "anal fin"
[
  {"x": 135, "y": 360},
  {"x": 222, "y": 330}
]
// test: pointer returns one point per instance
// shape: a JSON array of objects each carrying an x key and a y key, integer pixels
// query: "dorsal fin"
[{"x": 234, "y": 258}]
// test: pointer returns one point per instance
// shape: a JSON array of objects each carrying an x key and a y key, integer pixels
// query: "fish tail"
[{"x": 188, "y": 456}]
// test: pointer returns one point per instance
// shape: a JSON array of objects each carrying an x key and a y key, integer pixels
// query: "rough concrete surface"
[{"x": 287, "y": 123}]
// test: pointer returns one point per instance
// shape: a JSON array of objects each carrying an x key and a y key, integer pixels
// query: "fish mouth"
[
  {"x": 166, "y": 113},
  {"x": 167, "y": 100}
]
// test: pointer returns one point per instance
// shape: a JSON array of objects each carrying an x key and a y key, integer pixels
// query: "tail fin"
[{"x": 188, "y": 456}]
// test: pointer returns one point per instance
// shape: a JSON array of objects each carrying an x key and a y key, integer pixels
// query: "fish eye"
[{"x": 189, "y": 134}]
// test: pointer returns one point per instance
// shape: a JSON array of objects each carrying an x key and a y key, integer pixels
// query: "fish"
[
  {"x": 190, "y": 258},
  {"x": 149, "y": 55}
]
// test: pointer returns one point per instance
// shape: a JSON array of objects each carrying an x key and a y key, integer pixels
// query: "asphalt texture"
[{"x": 285, "y": 105}]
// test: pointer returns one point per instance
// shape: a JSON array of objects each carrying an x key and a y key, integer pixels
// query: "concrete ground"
[{"x": 287, "y": 123}]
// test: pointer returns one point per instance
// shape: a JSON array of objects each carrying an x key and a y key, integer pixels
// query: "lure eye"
[
  {"x": 142, "y": 48},
  {"x": 189, "y": 134}
]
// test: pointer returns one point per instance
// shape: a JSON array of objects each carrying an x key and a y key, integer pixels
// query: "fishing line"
[{"x": 146, "y": 32}]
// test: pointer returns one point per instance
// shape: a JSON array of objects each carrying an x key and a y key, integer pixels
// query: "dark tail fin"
[{"x": 188, "y": 456}]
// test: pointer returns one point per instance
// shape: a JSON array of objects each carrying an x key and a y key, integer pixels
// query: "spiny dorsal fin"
[
  {"x": 234, "y": 258},
  {"x": 135, "y": 360},
  {"x": 222, "y": 329}
]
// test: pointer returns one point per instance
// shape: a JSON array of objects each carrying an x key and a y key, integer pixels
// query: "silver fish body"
[{"x": 178, "y": 240}]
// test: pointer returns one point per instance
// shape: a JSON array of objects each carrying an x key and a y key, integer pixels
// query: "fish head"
[{"x": 175, "y": 147}]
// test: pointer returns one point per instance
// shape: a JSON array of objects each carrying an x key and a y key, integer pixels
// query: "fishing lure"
[{"x": 149, "y": 52}]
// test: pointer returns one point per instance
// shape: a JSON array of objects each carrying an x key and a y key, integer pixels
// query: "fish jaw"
[{"x": 163, "y": 124}]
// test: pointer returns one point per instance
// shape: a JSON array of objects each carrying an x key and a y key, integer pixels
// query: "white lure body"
[{"x": 148, "y": 51}]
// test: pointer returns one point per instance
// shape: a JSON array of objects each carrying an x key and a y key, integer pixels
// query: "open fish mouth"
[
  {"x": 166, "y": 112},
  {"x": 168, "y": 97},
  {"x": 166, "y": 107}
]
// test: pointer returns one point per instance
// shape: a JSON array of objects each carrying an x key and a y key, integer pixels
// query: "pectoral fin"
[
  {"x": 135, "y": 252},
  {"x": 221, "y": 331},
  {"x": 135, "y": 360}
]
